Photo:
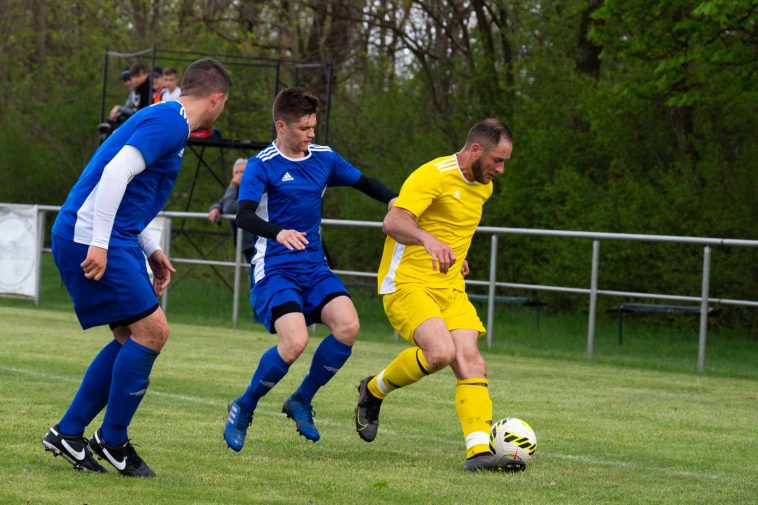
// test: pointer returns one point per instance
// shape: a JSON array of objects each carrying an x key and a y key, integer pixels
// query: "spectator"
[
  {"x": 139, "y": 96},
  {"x": 170, "y": 91},
  {"x": 156, "y": 80},
  {"x": 228, "y": 205},
  {"x": 126, "y": 78}
]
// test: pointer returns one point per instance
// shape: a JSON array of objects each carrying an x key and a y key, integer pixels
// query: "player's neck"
[
  {"x": 285, "y": 150},
  {"x": 193, "y": 110},
  {"x": 465, "y": 165}
]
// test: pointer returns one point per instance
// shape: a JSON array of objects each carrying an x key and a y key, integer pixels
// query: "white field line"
[{"x": 586, "y": 460}]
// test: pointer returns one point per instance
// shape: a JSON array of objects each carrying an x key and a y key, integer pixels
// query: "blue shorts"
[
  {"x": 122, "y": 296},
  {"x": 283, "y": 291}
]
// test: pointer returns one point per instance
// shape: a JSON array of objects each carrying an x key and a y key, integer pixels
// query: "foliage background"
[{"x": 633, "y": 116}]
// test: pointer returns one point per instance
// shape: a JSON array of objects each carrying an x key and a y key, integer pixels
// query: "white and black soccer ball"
[{"x": 513, "y": 438}]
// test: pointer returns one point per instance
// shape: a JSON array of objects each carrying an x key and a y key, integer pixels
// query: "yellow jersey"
[{"x": 449, "y": 207}]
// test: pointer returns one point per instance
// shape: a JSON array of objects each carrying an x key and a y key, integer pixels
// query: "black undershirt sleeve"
[
  {"x": 248, "y": 220},
  {"x": 375, "y": 189}
]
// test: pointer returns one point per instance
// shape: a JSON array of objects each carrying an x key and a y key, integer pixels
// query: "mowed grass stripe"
[
  {"x": 606, "y": 434},
  {"x": 334, "y": 422}
]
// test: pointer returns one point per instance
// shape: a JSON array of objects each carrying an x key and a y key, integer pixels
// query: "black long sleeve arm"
[
  {"x": 248, "y": 220},
  {"x": 375, "y": 189}
]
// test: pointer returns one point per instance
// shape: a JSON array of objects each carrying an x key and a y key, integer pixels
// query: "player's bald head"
[{"x": 489, "y": 133}]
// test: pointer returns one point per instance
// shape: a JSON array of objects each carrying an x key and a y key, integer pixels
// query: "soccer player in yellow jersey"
[{"x": 429, "y": 228}]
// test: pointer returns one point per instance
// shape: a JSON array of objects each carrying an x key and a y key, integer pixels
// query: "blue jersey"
[
  {"x": 289, "y": 193},
  {"x": 160, "y": 133}
]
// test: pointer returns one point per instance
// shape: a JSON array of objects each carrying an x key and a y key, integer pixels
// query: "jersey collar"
[{"x": 296, "y": 160}]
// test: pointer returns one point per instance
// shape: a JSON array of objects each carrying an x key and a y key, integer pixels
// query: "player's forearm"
[
  {"x": 249, "y": 220},
  {"x": 117, "y": 174},
  {"x": 147, "y": 244},
  {"x": 401, "y": 226},
  {"x": 375, "y": 189}
]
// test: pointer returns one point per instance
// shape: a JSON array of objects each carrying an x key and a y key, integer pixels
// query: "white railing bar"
[
  {"x": 203, "y": 262},
  {"x": 511, "y": 231}
]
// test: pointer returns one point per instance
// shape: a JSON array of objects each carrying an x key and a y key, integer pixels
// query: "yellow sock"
[
  {"x": 409, "y": 367},
  {"x": 474, "y": 408}
]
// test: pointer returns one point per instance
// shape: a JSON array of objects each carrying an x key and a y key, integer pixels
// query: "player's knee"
[
  {"x": 292, "y": 348},
  {"x": 347, "y": 331},
  {"x": 479, "y": 366},
  {"x": 471, "y": 363},
  {"x": 163, "y": 333},
  {"x": 159, "y": 336},
  {"x": 440, "y": 356}
]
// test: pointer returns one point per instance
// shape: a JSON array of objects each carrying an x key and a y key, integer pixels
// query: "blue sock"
[
  {"x": 131, "y": 376},
  {"x": 328, "y": 359},
  {"x": 92, "y": 395},
  {"x": 270, "y": 371}
]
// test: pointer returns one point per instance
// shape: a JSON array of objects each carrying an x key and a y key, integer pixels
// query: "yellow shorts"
[{"x": 408, "y": 307}]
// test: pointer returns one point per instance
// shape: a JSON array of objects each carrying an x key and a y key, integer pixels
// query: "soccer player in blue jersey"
[
  {"x": 99, "y": 244},
  {"x": 280, "y": 202}
]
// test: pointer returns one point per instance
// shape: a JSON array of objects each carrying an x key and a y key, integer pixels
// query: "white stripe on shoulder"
[
  {"x": 449, "y": 164},
  {"x": 266, "y": 151},
  {"x": 317, "y": 147},
  {"x": 269, "y": 156}
]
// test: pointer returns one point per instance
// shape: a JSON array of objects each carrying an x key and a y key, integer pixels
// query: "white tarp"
[{"x": 19, "y": 257}]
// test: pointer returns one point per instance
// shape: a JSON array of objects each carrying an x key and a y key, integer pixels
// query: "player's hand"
[
  {"x": 214, "y": 215},
  {"x": 442, "y": 254},
  {"x": 464, "y": 268},
  {"x": 162, "y": 270},
  {"x": 292, "y": 239},
  {"x": 95, "y": 262},
  {"x": 391, "y": 203},
  {"x": 114, "y": 112}
]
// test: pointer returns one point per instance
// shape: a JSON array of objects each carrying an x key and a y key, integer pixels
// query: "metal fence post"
[
  {"x": 704, "y": 309},
  {"x": 40, "y": 245},
  {"x": 593, "y": 298},
  {"x": 491, "y": 291},
  {"x": 167, "y": 252},
  {"x": 237, "y": 260}
]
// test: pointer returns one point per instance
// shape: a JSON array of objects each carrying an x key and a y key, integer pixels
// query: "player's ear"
[
  {"x": 280, "y": 125},
  {"x": 477, "y": 150}
]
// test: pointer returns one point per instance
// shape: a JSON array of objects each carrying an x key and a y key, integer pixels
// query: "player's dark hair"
[
  {"x": 205, "y": 77},
  {"x": 169, "y": 71},
  {"x": 291, "y": 104},
  {"x": 137, "y": 69},
  {"x": 489, "y": 132}
]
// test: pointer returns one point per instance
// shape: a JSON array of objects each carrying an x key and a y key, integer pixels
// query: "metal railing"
[{"x": 492, "y": 283}]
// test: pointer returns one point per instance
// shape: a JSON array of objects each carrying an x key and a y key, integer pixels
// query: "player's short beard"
[{"x": 478, "y": 171}]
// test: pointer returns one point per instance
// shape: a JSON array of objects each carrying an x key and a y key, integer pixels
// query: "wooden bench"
[
  {"x": 534, "y": 303},
  {"x": 650, "y": 308}
]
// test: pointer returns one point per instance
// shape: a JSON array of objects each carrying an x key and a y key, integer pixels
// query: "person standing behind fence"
[
  {"x": 99, "y": 245},
  {"x": 228, "y": 204},
  {"x": 156, "y": 80},
  {"x": 430, "y": 228},
  {"x": 280, "y": 202},
  {"x": 171, "y": 91}
]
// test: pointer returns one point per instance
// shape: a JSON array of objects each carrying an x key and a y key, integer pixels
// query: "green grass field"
[{"x": 607, "y": 433}]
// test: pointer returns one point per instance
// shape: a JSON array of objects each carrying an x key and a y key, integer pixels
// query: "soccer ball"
[{"x": 513, "y": 438}]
